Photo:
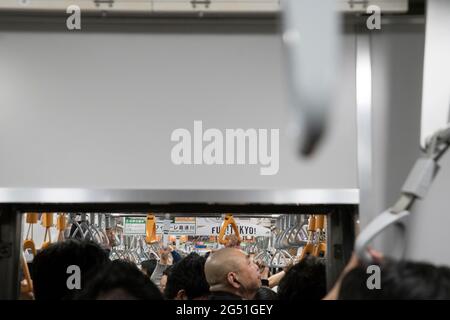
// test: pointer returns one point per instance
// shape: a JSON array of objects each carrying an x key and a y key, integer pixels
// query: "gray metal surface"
[
  {"x": 436, "y": 71},
  {"x": 397, "y": 64},
  {"x": 301, "y": 196},
  {"x": 95, "y": 110}
]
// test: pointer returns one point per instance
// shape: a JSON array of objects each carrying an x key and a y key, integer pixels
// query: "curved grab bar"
[
  {"x": 297, "y": 236},
  {"x": 276, "y": 261},
  {"x": 279, "y": 244},
  {"x": 77, "y": 230},
  {"x": 264, "y": 256},
  {"x": 278, "y": 238},
  {"x": 285, "y": 236},
  {"x": 292, "y": 230},
  {"x": 262, "y": 243},
  {"x": 301, "y": 237},
  {"x": 375, "y": 227},
  {"x": 417, "y": 183},
  {"x": 78, "y": 227}
]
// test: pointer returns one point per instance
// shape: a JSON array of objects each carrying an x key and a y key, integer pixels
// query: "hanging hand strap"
[
  {"x": 47, "y": 223},
  {"x": 31, "y": 219},
  {"x": 229, "y": 220},
  {"x": 150, "y": 229},
  {"x": 61, "y": 223},
  {"x": 415, "y": 187}
]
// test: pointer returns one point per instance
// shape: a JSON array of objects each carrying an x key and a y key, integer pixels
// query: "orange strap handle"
[
  {"x": 31, "y": 218},
  {"x": 150, "y": 229},
  {"x": 61, "y": 223},
  {"x": 312, "y": 223},
  {"x": 308, "y": 249},
  {"x": 29, "y": 244},
  {"x": 26, "y": 273},
  {"x": 320, "y": 250},
  {"x": 47, "y": 222},
  {"x": 320, "y": 222},
  {"x": 228, "y": 220}
]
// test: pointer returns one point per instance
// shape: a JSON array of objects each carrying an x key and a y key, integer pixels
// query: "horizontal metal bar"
[
  {"x": 86, "y": 196},
  {"x": 187, "y": 6}
]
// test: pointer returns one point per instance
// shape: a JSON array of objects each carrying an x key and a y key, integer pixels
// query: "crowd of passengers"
[{"x": 226, "y": 274}]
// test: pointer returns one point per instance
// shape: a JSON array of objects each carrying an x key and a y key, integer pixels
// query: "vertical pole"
[
  {"x": 364, "y": 124},
  {"x": 10, "y": 246},
  {"x": 340, "y": 240}
]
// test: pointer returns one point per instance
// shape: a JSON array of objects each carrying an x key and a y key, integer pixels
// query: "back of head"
[
  {"x": 121, "y": 280},
  {"x": 187, "y": 279},
  {"x": 50, "y": 267},
  {"x": 354, "y": 286},
  {"x": 265, "y": 293},
  {"x": 219, "y": 264},
  {"x": 398, "y": 281},
  {"x": 304, "y": 281}
]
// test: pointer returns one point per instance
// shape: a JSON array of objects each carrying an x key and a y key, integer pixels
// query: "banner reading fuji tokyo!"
[{"x": 211, "y": 227}]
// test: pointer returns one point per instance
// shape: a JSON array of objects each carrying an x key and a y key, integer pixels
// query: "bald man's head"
[
  {"x": 220, "y": 263},
  {"x": 231, "y": 270}
]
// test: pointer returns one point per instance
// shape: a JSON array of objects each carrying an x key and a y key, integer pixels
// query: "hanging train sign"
[{"x": 195, "y": 227}]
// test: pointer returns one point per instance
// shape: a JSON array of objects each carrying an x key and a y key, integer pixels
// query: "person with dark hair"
[
  {"x": 353, "y": 262},
  {"x": 231, "y": 275},
  {"x": 265, "y": 293},
  {"x": 50, "y": 267},
  {"x": 306, "y": 280},
  {"x": 401, "y": 280},
  {"x": 148, "y": 266},
  {"x": 187, "y": 280},
  {"x": 121, "y": 280}
]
